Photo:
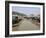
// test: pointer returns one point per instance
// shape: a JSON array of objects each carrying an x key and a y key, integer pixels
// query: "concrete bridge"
[{"x": 25, "y": 24}]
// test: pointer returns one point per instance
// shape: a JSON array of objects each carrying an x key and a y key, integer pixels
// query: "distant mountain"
[{"x": 17, "y": 13}]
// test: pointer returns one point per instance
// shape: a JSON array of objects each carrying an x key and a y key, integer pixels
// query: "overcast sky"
[{"x": 26, "y": 10}]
